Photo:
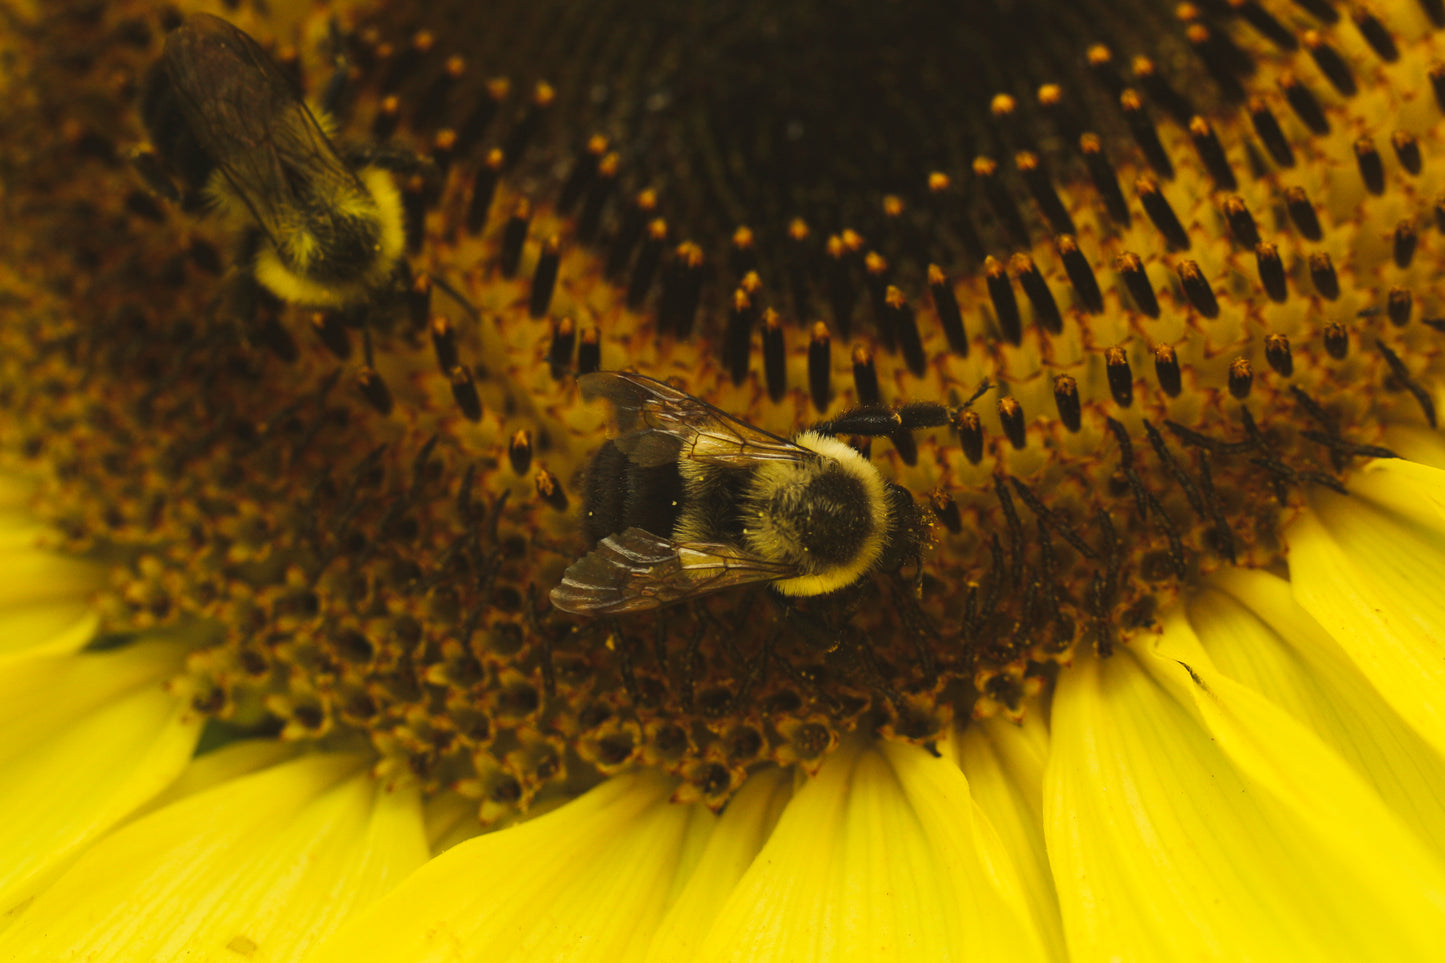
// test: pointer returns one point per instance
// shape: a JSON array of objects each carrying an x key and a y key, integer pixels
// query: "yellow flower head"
[{"x": 1114, "y": 328}]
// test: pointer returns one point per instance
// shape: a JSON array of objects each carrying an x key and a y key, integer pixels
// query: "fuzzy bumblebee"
[
  {"x": 320, "y": 225},
  {"x": 688, "y": 500}
]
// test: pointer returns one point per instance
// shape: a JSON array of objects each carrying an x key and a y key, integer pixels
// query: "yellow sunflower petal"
[
  {"x": 260, "y": 868},
  {"x": 1418, "y": 443},
  {"x": 882, "y": 856},
  {"x": 15, "y": 493},
  {"x": 587, "y": 881},
  {"x": 36, "y": 575},
  {"x": 1364, "y": 853},
  {"x": 84, "y": 740},
  {"x": 46, "y": 628},
  {"x": 450, "y": 819},
  {"x": 731, "y": 847},
  {"x": 1004, "y": 762},
  {"x": 1367, "y": 567},
  {"x": 1257, "y": 635},
  {"x": 220, "y": 766},
  {"x": 19, "y": 531},
  {"x": 45, "y": 598},
  {"x": 1180, "y": 826}
]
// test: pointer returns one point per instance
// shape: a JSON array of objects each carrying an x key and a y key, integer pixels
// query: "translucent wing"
[
  {"x": 636, "y": 570},
  {"x": 658, "y": 424},
  {"x": 250, "y": 120}
]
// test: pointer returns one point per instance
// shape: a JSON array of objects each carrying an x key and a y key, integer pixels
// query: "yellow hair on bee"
[
  {"x": 226, "y": 203},
  {"x": 389, "y": 214}
]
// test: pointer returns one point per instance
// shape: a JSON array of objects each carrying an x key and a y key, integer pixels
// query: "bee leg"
[
  {"x": 920, "y": 626},
  {"x": 458, "y": 297},
  {"x": 339, "y": 93},
  {"x": 147, "y": 164},
  {"x": 783, "y": 603},
  {"x": 248, "y": 248},
  {"x": 257, "y": 312},
  {"x": 366, "y": 349},
  {"x": 883, "y": 421},
  {"x": 388, "y": 157},
  {"x": 895, "y": 424},
  {"x": 174, "y": 152},
  {"x": 336, "y": 96},
  {"x": 400, "y": 287},
  {"x": 819, "y": 634},
  {"x": 243, "y": 296}
]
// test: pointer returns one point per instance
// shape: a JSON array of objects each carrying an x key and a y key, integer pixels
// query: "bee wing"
[
  {"x": 658, "y": 424},
  {"x": 636, "y": 570},
  {"x": 249, "y": 118}
]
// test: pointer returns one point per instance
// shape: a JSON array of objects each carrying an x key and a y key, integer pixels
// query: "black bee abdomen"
[
  {"x": 620, "y": 495},
  {"x": 717, "y": 503},
  {"x": 170, "y": 133}
]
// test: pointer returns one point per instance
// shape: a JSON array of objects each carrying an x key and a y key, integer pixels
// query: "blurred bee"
[
  {"x": 689, "y": 500},
  {"x": 320, "y": 226}
]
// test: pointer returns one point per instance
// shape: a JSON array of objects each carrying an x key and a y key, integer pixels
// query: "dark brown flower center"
[{"x": 1181, "y": 315}]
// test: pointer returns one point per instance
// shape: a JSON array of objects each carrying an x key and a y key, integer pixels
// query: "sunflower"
[{"x": 280, "y": 679}]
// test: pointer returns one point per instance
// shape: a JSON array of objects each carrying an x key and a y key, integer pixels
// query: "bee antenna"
[
  {"x": 458, "y": 297},
  {"x": 984, "y": 388}
]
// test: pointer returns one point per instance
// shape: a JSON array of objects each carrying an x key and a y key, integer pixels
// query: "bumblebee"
[
  {"x": 687, "y": 500},
  {"x": 320, "y": 226}
]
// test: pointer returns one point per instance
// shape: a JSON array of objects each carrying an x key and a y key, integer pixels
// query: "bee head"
[
  {"x": 908, "y": 532},
  {"x": 831, "y": 518},
  {"x": 344, "y": 246}
]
